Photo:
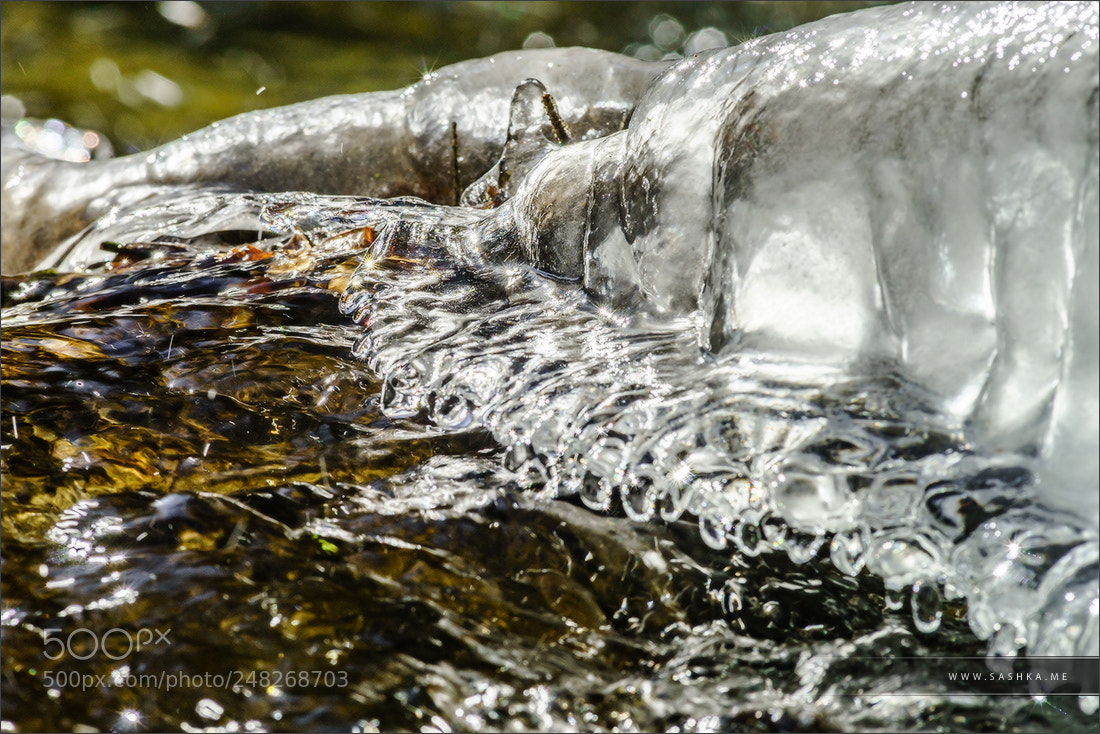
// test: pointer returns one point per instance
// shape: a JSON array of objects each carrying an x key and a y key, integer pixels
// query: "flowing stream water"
[{"x": 382, "y": 464}]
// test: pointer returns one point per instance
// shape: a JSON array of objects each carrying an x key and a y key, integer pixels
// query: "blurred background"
[{"x": 144, "y": 73}]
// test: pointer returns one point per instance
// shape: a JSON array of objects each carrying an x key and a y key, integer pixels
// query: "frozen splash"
[
  {"x": 631, "y": 414},
  {"x": 861, "y": 265},
  {"x": 831, "y": 293}
]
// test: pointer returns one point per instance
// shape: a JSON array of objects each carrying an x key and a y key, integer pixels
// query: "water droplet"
[
  {"x": 596, "y": 493},
  {"x": 775, "y": 531},
  {"x": 637, "y": 501},
  {"x": 904, "y": 557},
  {"x": 808, "y": 498},
  {"x": 927, "y": 606},
  {"x": 894, "y": 599},
  {"x": 606, "y": 455},
  {"x": 846, "y": 552},
  {"x": 669, "y": 506},
  {"x": 804, "y": 547},
  {"x": 747, "y": 536},
  {"x": 713, "y": 529}
]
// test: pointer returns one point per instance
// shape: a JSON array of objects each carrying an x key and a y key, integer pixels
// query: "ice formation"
[
  {"x": 916, "y": 191},
  {"x": 835, "y": 287},
  {"x": 430, "y": 141}
]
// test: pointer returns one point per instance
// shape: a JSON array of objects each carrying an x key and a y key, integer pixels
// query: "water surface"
[{"x": 359, "y": 481}]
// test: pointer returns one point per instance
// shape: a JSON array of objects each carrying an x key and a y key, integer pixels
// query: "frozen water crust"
[
  {"x": 906, "y": 193},
  {"x": 915, "y": 191},
  {"x": 839, "y": 289}
]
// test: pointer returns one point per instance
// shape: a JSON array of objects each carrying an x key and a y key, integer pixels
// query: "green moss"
[{"x": 84, "y": 62}]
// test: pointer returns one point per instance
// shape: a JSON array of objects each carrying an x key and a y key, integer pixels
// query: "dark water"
[{"x": 224, "y": 508}]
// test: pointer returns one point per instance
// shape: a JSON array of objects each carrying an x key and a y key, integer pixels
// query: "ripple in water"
[{"x": 776, "y": 543}]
